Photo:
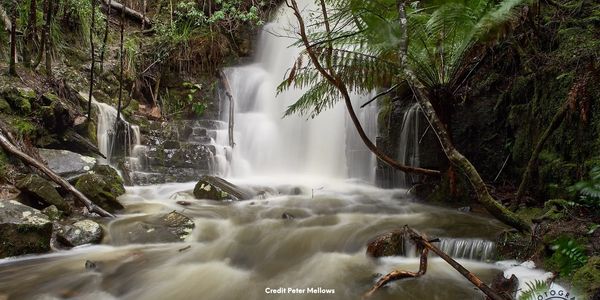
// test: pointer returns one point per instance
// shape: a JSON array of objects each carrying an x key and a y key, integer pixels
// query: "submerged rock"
[
  {"x": 80, "y": 233},
  {"x": 169, "y": 228},
  {"x": 387, "y": 244},
  {"x": 39, "y": 189},
  {"x": 23, "y": 230},
  {"x": 215, "y": 188},
  {"x": 101, "y": 190},
  {"x": 66, "y": 163}
]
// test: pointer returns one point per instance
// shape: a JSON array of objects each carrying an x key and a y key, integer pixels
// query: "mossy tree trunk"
[
  {"x": 12, "y": 65},
  {"x": 93, "y": 57},
  {"x": 30, "y": 33}
]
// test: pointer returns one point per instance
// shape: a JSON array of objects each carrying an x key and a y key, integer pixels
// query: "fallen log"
[
  {"x": 130, "y": 13},
  {"x": 426, "y": 245},
  {"x": 8, "y": 146}
]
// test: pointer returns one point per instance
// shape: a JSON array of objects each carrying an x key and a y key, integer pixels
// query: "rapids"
[{"x": 239, "y": 249}]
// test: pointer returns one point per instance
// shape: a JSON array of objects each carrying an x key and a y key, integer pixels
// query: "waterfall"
[
  {"x": 109, "y": 141},
  {"x": 268, "y": 144},
  {"x": 408, "y": 150},
  {"x": 474, "y": 249}
]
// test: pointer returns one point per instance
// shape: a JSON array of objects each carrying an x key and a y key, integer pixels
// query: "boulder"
[
  {"x": 387, "y": 244},
  {"x": 169, "y": 228},
  {"x": 112, "y": 177},
  {"x": 80, "y": 233},
  {"x": 38, "y": 189},
  {"x": 100, "y": 191},
  {"x": 23, "y": 230},
  {"x": 215, "y": 188},
  {"x": 66, "y": 163},
  {"x": 52, "y": 213},
  {"x": 20, "y": 99}
]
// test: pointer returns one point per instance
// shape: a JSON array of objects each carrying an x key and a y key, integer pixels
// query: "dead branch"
[
  {"x": 231, "y": 107},
  {"x": 8, "y": 146},
  {"x": 425, "y": 245}
]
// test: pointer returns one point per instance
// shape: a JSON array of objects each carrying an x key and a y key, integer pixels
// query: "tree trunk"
[
  {"x": 48, "y": 37},
  {"x": 130, "y": 13},
  {"x": 30, "y": 34},
  {"x": 454, "y": 156},
  {"x": 9, "y": 147},
  {"x": 12, "y": 65},
  {"x": 105, "y": 39},
  {"x": 93, "y": 57},
  {"x": 121, "y": 59},
  {"x": 335, "y": 81}
]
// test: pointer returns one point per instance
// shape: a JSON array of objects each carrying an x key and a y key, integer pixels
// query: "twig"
[{"x": 381, "y": 94}]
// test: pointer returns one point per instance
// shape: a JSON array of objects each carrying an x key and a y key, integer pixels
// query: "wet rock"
[
  {"x": 287, "y": 216},
  {"x": 464, "y": 209},
  {"x": 215, "y": 188},
  {"x": 38, "y": 189},
  {"x": 387, "y": 244},
  {"x": 172, "y": 227},
  {"x": 23, "y": 230},
  {"x": 80, "y": 233},
  {"x": 66, "y": 163},
  {"x": 8, "y": 192},
  {"x": 184, "y": 203},
  {"x": 52, "y": 213},
  {"x": 99, "y": 191},
  {"x": 170, "y": 144},
  {"x": 111, "y": 177}
]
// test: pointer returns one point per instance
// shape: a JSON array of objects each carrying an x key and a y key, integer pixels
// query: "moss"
[
  {"x": 24, "y": 127},
  {"x": 530, "y": 213},
  {"x": 4, "y": 106},
  {"x": 586, "y": 280}
]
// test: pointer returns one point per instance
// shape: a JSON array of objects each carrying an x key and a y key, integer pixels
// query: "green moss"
[
  {"x": 586, "y": 280},
  {"x": 24, "y": 127},
  {"x": 4, "y": 106},
  {"x": 530, "y": 213}
]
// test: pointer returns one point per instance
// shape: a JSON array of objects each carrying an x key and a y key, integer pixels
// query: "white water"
[
  {"x": 267, "y": 143},
  {"x": 408, "y": 150}
]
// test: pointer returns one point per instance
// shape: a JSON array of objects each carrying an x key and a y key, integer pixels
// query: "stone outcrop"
[{"x": 215, "y": 188}]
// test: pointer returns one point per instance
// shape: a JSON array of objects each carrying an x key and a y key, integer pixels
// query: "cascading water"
[
  {"x": 129, "y": 140},
  {"x": 267, "y": 143},
  {"x": 408, "y": 150}
]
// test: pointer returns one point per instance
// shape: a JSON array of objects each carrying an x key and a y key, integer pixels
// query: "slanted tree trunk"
[
  {"x": 333, "y": 79},
  {"x": 130, "y": 13},
  {"x": 10, "y": 148},
  {"x": 93, "y": 57},
  {"x": 454, "y": 156},
  {"x": 12, "y": 65}
]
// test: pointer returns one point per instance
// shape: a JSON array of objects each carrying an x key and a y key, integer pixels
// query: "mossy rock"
[
  {"x": 586, "y": 280},
  {"x": 219, "y": 189},
  {"x": 111, "y": 176},
  {"x": 23, "y": 230},
  {"x": 4, "y": 106},
  {"x": 20, "y": 99},
  {"x": 40, "y": 189},
  {"x": 99, "y": 191},
  {"x": 387, "y": 244}
]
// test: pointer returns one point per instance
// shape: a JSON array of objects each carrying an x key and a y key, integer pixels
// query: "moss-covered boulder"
[
  {"x": 387, "y": 244},
  {"x": 161, "y": 228},
  {"x": 587, "y": 279},
  {"x": 4, "y": 106},
  {"x": 215, "y": 188},
  {"x": 38, "y": 189},
  {"x": 101, "y": 190},
  {"x": 20, "y": 99},
  {"x": 23, "y": 230},
  {"x": 111, "y": 176}
]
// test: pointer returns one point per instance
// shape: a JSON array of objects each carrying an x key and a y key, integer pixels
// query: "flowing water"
[{"x": 248, "y": 250}]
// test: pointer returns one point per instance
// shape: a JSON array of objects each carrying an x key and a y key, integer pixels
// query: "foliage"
[
  {"x": 446, "y": 41},
  {"x": 569, "y": 255},
  {"x": 588, "y": 191},
  {"x": 177, "y": 104},
  {"x": 534, "y": 288}
]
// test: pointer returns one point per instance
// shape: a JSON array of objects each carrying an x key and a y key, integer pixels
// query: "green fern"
[
  {"x": 569, "y": 255},
  {"x": 588, "y": 190},
  {"x": 534, "y": 289}
]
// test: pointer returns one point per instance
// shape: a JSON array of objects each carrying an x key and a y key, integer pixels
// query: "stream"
[{"x": 238, "y": 250}]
